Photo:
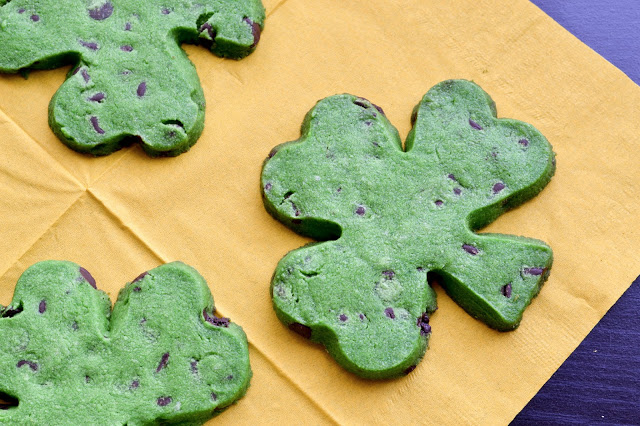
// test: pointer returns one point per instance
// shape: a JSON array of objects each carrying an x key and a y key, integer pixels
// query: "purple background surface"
[
  {"x": 600, "y": 382},
  {"x": 610, "y": 27}
]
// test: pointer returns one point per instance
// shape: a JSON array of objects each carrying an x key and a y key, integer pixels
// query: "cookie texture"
[
  {"x": 390, "y": 217},
  {"x": 160, "y": 356},
  {"x": 130, "y": 80}
]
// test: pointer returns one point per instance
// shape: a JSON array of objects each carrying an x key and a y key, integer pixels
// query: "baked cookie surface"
[
  {"x": 390, "y": 215},
  {"x": 130, "y": 81},
  {"x": 160, "y": 356}
]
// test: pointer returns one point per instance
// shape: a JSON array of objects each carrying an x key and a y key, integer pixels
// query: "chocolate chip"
[
  {"x": 209, "y": 29},
  {"x": 98, "y": 97},
  {"x": 361, "y": 317},
  {"x": 32, "y": 365},
  {"x": 142, "y": 89},
  {"x": 457, "y": 191},
  {"x": 166, "y": 11},
  {"x": 410, "y": 369},
  {"x": 389, "y": 274},
  {"x": 423, "y": 323},
  {"x": 214, "y": 396},
  {"x": 452, "y": 177},
  {"x": 534, "y": 271},
  {"x": 273, "y": 152},
  {"x": 420, "y": 269},
  {"x": 35, "y": 18},
  {"x": 21, "y": 11},
  {"x": 134, "y": 384},
  {"x": 268, "y": 186},
  {"x": 361, "y": 102},
  {"x": 102, "y": 12},
  {"x": 475, "y": 125},
  {"x": 96, "y": 125},
  {"x": 42, "y": 306},
  {"x": 194, "y": 366},
  {"x": 506, "y": 290},
  {"x": 439, "y": 203},
  {"x": 389, "y": 312},
  {"x": 87, "y": 276},
  {"x": 164, "y": 401},
  {"x": 255, "y": 31},
  {"x": 343, "y": 317},
  {"x": 498, "y": 187},
  {"x": 360, "y": 211},
  {"x": 378, "y": 108},
  {"x": 217, "y": 321},
  {"x": 140, "y": 277},
  {"x": 301, "y": 329},
  {"x": 126, "y": 48},
  {"x": 10, "y": 312},
  {"x": 85, "y": 75},
  {"x": 127, "y": 26},
  {"x": 472, "y": 250},
  {"x": 87, "y": 379},
  {"x": 88, "y": 44},
  {"x": 163, "y": 362},
  {"x": 524, "y": 142},
  {"x": 368, "y": 123},
  {"x": 137, "y": 289}
]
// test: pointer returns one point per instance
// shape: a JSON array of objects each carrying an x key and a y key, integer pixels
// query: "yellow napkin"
[{"x": 123, "y": 214}]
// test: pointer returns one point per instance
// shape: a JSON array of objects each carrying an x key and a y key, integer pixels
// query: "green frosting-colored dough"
[
  {"x": 160, "y": 356},
  {"x": 390, "y": 216},
  {"x": 130, "y": 79}
]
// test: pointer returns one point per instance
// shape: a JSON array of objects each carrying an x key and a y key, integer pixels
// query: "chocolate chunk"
[
  {"x": 209, "y": 29},
  {"x": 533, "y": 271},
  {"x": 164, "y": 401},
  {"x": 389, "y": 274},
  {"x": 214, "y": 396},
  {"x": 126, "y": 48},
  {"x": 21, "y": 10},
  {"x": 98, "y": 97},
  {"x": 389, "y": 312},
  {"x": 42, "y": 306},
  {"x": 96, "y": 125},
  {"x": 87, "y": 276},
  {"x": 301, "y": 329},
  {"x": 127, "y": 26},
  {"x": 498, "y": 187},
  {"x": 255, "y": 31},
  {"x": 166, "y": 11},
  {"x": 32, "y": 365},
  {"x": 410, "y": 369},
  {"x": 194, "y": 366},
  {"x": 360, "y": 211},
  {"x": 35, "y": 18},
  {"x": 163, "y": 362},
  {"x": 472, "y": 250},
  {"x": 475, "y": 125},
  {"x": 85, "y": 75},
  {"x": 506, "y": 290},
  {"x": 439, "y": 203},
  {"x": 134, "y": 384},
  {"x": 343, "y": 317},
  {"x": 217, "y": 321},
  {"x": 423, "y": 323},
  {"x": 88, "y": 44},
  {"x": 268, "y": 186},
  {"x": 137, "y": 289},
  {"x": 457, "y": 191},
  {"x": 142, "y": 89},
  {"x": 10, "y": 311},
  {"x": 101, "y": 13},
  {"x": 524, "y": 142},
  {"x": 140, "y": 277}
]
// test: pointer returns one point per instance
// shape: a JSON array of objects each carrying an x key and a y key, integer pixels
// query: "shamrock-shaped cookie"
[
  {"x": 159, "y": 356},
  {"x": 390, "y": 216},
  {"x": 130, "y": 79}
]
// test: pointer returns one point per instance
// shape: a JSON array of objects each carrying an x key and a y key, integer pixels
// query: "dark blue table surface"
[{"x": 600, "y": 382}]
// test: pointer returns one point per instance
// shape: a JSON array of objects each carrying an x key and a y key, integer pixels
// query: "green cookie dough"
[
  {"x": 130, "y": 80},
  {"x": 160, "y": 356},
  {"x": 392, "y": 217}
]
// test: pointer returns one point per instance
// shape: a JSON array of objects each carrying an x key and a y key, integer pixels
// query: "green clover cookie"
[
  {"x": 390, "y": 216},
  {"x": 130, "y": 79},
  {"x": 159, "y": 356}
]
